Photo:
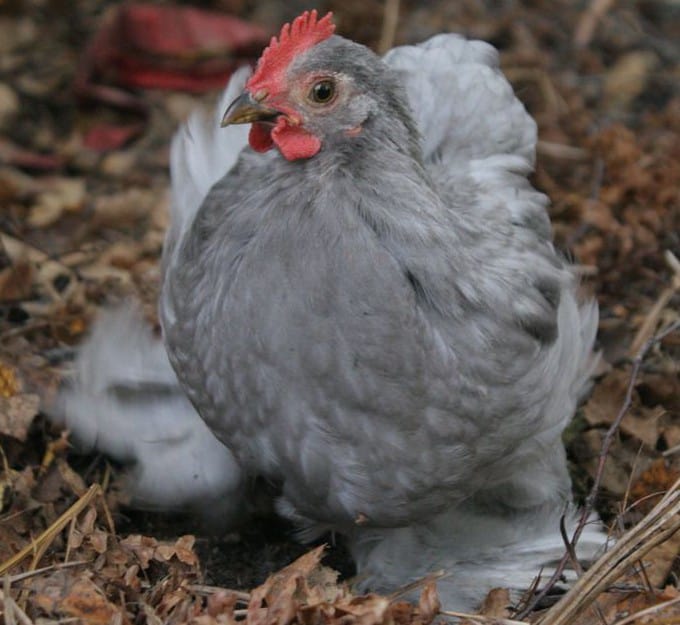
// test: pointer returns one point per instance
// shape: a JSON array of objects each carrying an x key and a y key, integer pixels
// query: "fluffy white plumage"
[{"x": 126, "y": 400}]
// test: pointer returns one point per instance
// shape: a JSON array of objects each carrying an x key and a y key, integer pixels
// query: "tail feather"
[
  {"x": 124, "y": 400},
  {"x": 482, "y": 116}
]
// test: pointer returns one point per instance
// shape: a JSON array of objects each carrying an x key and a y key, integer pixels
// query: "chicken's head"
[{"x": 309, "y": 87}]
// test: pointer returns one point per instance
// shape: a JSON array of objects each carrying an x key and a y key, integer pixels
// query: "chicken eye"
[{"x": 322, "y": 92}]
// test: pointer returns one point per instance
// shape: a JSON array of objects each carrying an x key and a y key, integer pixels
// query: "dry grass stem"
[
  {"x": 652, "y": 319},
  {"x": 11, "y": 610},
  {"x": 559, "y": 150},
  {"x": 38, "y": 546},
  {"x": 480, "y": 618},
  {"x": 591, "y": 17},
  {"x": 203, "y": 589},
  {"x": 655, "y": 609},
  {"x": 661, "y": 523}
]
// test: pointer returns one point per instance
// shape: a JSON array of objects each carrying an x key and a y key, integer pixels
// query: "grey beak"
[{"x": 246, "y": 110}]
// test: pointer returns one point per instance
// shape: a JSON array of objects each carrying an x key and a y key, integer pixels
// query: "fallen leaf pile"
[{"x": 88, "y": 106}]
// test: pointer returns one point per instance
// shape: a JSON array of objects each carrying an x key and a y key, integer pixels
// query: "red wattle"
[
  {"x": 294, "y": 142},
  {"x": 260, "y": 137}
]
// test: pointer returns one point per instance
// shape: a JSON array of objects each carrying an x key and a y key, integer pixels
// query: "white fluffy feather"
[{"x": 124, "y": 400}]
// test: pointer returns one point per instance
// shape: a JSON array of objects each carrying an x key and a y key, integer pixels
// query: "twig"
[
  {"x": 570, "y": 548},
  {"x": 671, "y": 451},
  {"x": 602, "y": 459},
  {"x": 8, "y": 603},
  {"x": 560, "y": 150},
  {"x": 589, "y": 20},
  {"x": 202, "y": 589},
  {"x": 38, "y": 546},
  {"x": 53, "y": 567},
  {"x": 652, "y": 318},
  {"x": 11, "y": 607},
  {"x": 389, "y": 27},
  {"x": 647, "y": 611},
  {"x": 480, "y": 618}
]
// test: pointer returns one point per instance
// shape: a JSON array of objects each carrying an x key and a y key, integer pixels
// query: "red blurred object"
[
  {"x": 169, "y": 47},
  {"x": 106, "y": 137},
  {"x": 12, "y": 154}
]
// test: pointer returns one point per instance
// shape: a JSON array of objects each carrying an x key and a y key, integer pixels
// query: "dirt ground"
[{"x": 89, "y": 100}]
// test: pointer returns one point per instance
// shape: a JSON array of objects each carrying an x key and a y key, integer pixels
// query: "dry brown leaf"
[
  {"x": 496, "y": 603},
  {"x": 222, "y": 602},
  {"x": 55, "y": 280},
  {"x": 17, "y": 250},
  {"x": 366, "y": 610},
  {"x": 671, "y": 435},
  {"x": 402, "y": 613},
  {"x": 652, "y": 484},
  {"x": 184, "y": 550},
  {"x": 17, "y": 414},
  {"x": 88, "y": 602},
  {"x": 9, "y": 381},
  {"x": 659, "y": 562},
  {"x": 628, "y": 77},
  {"x": 56, "y": 480},
  {"x": 126, "y": 206},
  {"x": 143, "y": 547},
  {"x": 122, "y": 254},
  {"x": 622, "y": 461},
  {"x": 172, "y": 599},
  {"x": 131, "y": 577},
  {"x": 323, "y": 585},
  {"x": 9, "y": 104},
  {"x": 164, "y": 552},
  {"x": 605, "y": 403},
  {"x": 606, "y": 399},
  {"x": 73, "y": 480},
  {"x": 98, "y": 539},
  {"x": 58, "y": 195},
  {"x": 16, "y": 281},
  {"x": 643, "y": 424},
  {"x": 78, "y": 598},
  {"x": 101, "y": 273},
  {"x": 615, "y": 606},
  {"x": 429, "y": 604},
  {"x": 277, "y": 601}
]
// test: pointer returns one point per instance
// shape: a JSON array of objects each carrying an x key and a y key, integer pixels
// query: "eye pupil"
[{"x": 323, "y": 91}]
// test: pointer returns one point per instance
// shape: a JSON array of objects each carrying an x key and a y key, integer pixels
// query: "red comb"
[{"x": 305, "y": 31}]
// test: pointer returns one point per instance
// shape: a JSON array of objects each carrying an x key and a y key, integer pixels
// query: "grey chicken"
[{"x": 364, "y": 307}]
